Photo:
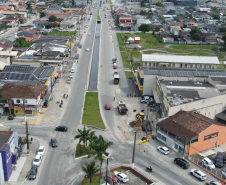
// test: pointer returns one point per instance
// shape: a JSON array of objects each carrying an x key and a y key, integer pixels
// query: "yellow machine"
[{"x": 140, "y": 117}]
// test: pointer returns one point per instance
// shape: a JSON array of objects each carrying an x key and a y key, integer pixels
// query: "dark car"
[
  {"x": 33, "y": 173},
  {"x": 10, "y": 117},
  {"x": 182, "y": 163},
  {"x": 219, "y": 160},
  {"x": 61, "y": 128},
  {"x": 54, "y": 143}
]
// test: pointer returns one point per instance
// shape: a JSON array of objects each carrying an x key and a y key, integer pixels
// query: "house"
[
  {"x": 137, "y": 40},
  {"x": 175, "y": 30},
  {"x": 68, "y": 22},
  {"x": 189, "y": 133},
  {"x": 211, "y": 39},
  {"x": 50, "y": 54},
  {"x": 61, "y": 15},
  {"x": 6, "y": 46},
  {"x": 42, "y": 5},
  {"x": 206, "y": 17},
  {"x": 180, "y": 11},
  {"x": 27, "y": 33},
  {"x": 169, "y": 7},
  {"x": 23, "y": 99},
  {"x": 191, "y": 24},
  {"x": 184, "y": 33},
  {"x": 125, "y": 22},
  {"x": 143, "y": 21}
]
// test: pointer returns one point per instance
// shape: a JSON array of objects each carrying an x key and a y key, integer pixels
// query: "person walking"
[{"x": 114, "y": 98}]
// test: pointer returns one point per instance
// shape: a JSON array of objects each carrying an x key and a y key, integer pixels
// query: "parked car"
[
  {"x": 54, "y": 143},
  {"x": 208, "y": 163},
  {"x": 219, "y": 159},
  {"x": 87, "y": 26},
  {"x": 146, "y": 99},
  {"x": 41, "y": 150},
  {"x": 182, "y": 163},
  {"x": 69, "y": 81},
  {"x": 110, "y": 178},
  {"x": 71, "y": 75},
  {"x": 107, "y": 106},
  {"x": 10, "y": 117},
  {"x": 223, "y": 173},
  {"x": 72, "y": 70},
  {"x": 198, "y": 174},
  {"x": 121, "y": 176},
  {"x": 37, "y": 161},
  {"x": 87, "y": 49},
  {"x": 33, "y": 173},
  {"x": 61, "y": 128},
  {"x": 80, "y": 45},
  {"x": 213, "y": 183},
  {"x": 163, "y": 150},
  {"x": 77, "y": 56}
]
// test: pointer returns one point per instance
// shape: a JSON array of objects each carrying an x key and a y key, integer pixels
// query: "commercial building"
[
  {"x": 189, "y": 133},
  {"x": 187, "y": 2},
  {"x": 179, "y": 61}
]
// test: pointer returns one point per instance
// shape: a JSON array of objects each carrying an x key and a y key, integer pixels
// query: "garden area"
[
  {"x": 82, "y": 150},
  {"x": 151, "y": 45},
  {"x": 62, "y": 33},
  {"x": 91, "y": 114}
]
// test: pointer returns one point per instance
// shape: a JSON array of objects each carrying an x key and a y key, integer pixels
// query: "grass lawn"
[
  {"x": 221, "y": 66},
  {"x": 91, "y": 114},
  {"x": 81, "y": 150},
  {"x": 95, "y": 181},
  {"x": 98, "y": 17},
  {"x": 220, "y": 56},
  {"x": 62, "y": 33},
  {"x": 181, "y": 46},
  {"x": 128, "y": 74},
  {"x": 110, "y": 2}
]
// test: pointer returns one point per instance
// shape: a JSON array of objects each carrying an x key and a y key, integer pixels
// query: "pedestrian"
[
  {"x": 100, "y": 65},
  {"x": 77, "y": 61},
  {"x": 130, "y": 95},
  {"x": 114, "y": 98},
  {"x": 31, "y": 139},
  {"x": 127, "y": 94}
]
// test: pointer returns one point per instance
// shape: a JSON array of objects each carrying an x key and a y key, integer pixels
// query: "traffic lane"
[{"x": 60, "y": 159}]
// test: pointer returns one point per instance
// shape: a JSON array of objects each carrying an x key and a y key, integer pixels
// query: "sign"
[{"x": 211, "y": 136}]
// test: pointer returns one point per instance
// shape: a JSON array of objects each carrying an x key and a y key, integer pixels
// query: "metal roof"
[{"x": 180, "y": 59}]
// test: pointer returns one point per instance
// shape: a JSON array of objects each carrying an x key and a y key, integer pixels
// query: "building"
[
  {"x": 179, "y": 61},
  {"x": 190, "y": 132},
  {"x": 187, "y": 2},
  {"x": 125, "y": 22},
  {"x": 68, "y": 22},
  {"x": 23, "y": 99}
]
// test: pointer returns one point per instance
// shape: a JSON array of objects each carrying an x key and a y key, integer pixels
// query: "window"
[
  {"x": 17, "y": 101},
  {"x": 16, "y": 111},
  {"x": 176, "y": 146},
  {"x": 149, "y": 63},
  {"x": 194, "y": 140}
]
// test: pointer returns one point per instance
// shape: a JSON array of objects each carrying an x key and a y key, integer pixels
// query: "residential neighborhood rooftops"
[{"x": 180, "y": 59}]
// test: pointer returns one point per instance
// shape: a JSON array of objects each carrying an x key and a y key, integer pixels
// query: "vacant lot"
[
  {"x": 91, "y": 114},
  {"x": 62, "y": 33}
]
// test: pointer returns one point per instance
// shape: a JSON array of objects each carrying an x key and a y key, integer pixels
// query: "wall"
[
  {"x": 149, "y": 84},
  {"x": 1, "y": 171},
  {"x": 208, "y": 107},
  {"x": 202, "y": 145},
  {"x": 6, "y": 60},
  {"x": 7, "y": 163},
  {"x": 29, "y": 101}
]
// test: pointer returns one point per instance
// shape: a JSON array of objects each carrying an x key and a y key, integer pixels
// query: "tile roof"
[
  {"x": 187, "y": 124},
  {"x": 36, "y": 37},
  {"x": 183, "y": 33},
  {"x": 28, "y": 38},
  {"x": 9, "y": 91}
]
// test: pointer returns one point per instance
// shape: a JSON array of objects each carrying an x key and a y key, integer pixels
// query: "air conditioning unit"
[{"x": 174, "y": 95}]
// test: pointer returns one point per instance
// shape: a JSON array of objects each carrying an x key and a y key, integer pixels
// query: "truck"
[
  {"x": 116, "y": 78},
  {"x": 122, "y": 107}
]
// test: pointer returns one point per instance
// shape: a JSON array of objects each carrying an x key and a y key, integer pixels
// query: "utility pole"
[
  {"x": 70, "y": 45},
  {"x": 26, "y": 127},
  {"x": 51, "y": 83},
  {"x": 134, "y": 149},
  {"x": 146, "y": 121},
  {"x": 107, "y": 157}
]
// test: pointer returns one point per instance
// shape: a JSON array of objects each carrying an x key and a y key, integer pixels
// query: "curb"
[
  {"x": 81, "y": 157},
  {"x": 95, "y": 127}
]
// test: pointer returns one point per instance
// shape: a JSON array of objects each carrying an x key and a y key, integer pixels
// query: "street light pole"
[
  {"x": 134, "y": 149},
  {"x": 26, "y": 127},
  {"x": 107, "y": 157}
]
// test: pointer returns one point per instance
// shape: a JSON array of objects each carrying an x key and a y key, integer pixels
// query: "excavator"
[{"x": 141, "y": 117}]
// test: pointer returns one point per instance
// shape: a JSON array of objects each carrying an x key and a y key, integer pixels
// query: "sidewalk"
[{"x": 24, "y": 164}]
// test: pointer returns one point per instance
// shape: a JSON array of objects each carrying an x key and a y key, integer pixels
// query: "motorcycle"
[{"x": 149, "y": 168}]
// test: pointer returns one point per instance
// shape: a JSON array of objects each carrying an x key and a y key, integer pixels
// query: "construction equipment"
[
  {"x": 141, "y": 117},
  {"x": 122, "y": 107}
]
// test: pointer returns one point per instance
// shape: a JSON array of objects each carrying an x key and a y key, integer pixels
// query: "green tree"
[
  {"x": 171, "y": 12},
  {"x": 196, "y": 36},
  {"x": 21, "y": 42},
  {"x": 52, "y": 18},
  {"x": 21, "y": 21},
  {"x": 83, "y": 135},
  {"x": 125, "y": 38},
  {"x": 92, "y": 137},
  {"x": 195, "y": 30},
  {"x": 222, "y": 29},
  {"x": 216, "y": 16},
  {"x": 42, "y": 14},
  {"x": 144, "y": 28},
  {"x": 99, "y": 148},
  {"x": 28, "y": 5},
  {"x": 90, "y": 170},
  {"x": 73, "y": 2},
  {"x": 159, "y": 4}
]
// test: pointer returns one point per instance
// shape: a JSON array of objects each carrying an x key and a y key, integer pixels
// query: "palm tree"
[
  {"x": 92, "y": 137},
  {"x": 90, "y": 170},
  {"x": 99, "y": 148},
  {"x": 83, "y": 135}
]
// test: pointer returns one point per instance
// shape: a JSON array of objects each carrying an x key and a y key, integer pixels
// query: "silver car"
[{"x": 69, "y": 81}]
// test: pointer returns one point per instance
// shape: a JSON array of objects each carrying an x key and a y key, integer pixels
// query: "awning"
[
  {"x": 163, "y": 63},
  {"x": 155, "y": 96},
  {"x": 221, "y": 115}
]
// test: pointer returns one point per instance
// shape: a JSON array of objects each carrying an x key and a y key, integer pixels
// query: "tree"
[
  {"x": 73, "y": 2},
  {"x": 99, "y": 148},
  {"x": 92, "y": 137},
  {"x": 171, "y": 12},
  {"x": 83, "y": 135},
  {"x": 90, "y": 170},
  {"x": 125, "y": 38},
  {"x": 42, "y": 14},
  {"x": 222, "y": 29},
  {"x": 144, "y": 28},
  {"x": 195, "y": 30},
  {"x": 216, "y": 16},
  {"x": 159, "y": 4},
  {"x": 21, "y": 42},
  {"x": 28, "y": 5},
  {"x": 21, "y": 21},
  {"x": 196, "y": 36},
  {"x": 52, "y": 18}
]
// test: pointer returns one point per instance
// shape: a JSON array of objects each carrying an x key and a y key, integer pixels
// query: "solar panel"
[
  {"x": 22, "y": 77},
  {"x": 27, "y": 76},
  {"x": 17, "y": 76},
  {"x": 7, "y": 75},
  {"x": 32, "y": 78},
  {"x": 12, "y": 75},
  {"x": 2, "y": 75}
]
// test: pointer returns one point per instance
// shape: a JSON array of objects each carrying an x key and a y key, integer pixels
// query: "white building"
[{"x": 179, "y": 61}]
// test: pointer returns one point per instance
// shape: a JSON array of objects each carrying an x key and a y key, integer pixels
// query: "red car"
[
  {"x": 114, "y": 67},
  {"x": 110, "y": 178},
  {"x": 107, "y": 106}
]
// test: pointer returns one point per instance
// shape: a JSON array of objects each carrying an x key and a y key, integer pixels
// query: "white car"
[
  {"x": 37, "y": 161},
  {"x": 121, "y": 176},
  {"x": 163, "y": 150},
  {"x": 71, "y": 75},
  {"x": 198, "y": 174},
  {"x": 41, "y": 150},
  {"x": 87, "y": 49},
  {"x": 86, "y": 26},
  {"x": 213, "y": 183},
  {"x": 208, "y": 163}
]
